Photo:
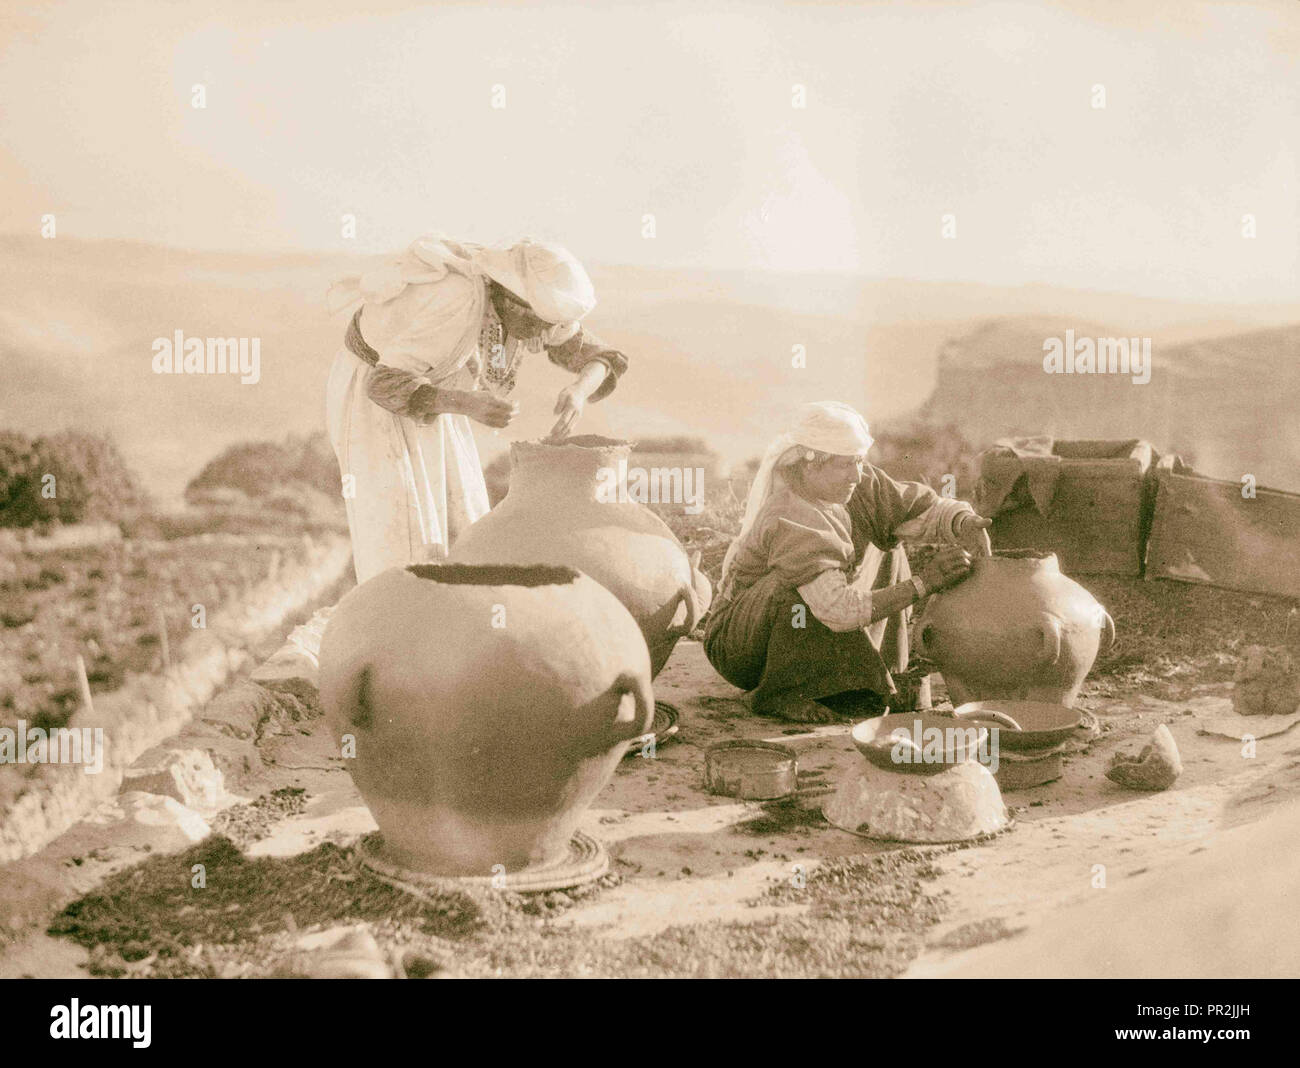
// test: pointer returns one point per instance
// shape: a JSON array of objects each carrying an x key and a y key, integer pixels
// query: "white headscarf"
[
  {"x": 820, "y": 426},
  {"x": 427, "y": 259},
  {"x": 547, "y": 276}
]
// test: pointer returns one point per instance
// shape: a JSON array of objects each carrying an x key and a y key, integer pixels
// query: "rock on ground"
[
  {"x": 1155, "y": 768},
  {"x": 162, "y": 823},
  {"x": 1266, "y": 683},
  {"x": 337, "y": 953},
  {"x": 187, "y": 775}
]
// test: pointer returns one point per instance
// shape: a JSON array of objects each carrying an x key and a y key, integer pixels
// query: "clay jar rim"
[
  {"x": 579, "y": 457},
  {"x": 526, "y": 575},
  {"x": 1029, "y": 559},
  {"x": 580, "y": 441}
]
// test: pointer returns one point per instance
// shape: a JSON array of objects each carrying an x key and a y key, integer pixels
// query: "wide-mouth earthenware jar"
[
  {"x": 487, "y": 706},
  {"x": 569, "y": 504},
  {"x": 1016, "y": 628}
]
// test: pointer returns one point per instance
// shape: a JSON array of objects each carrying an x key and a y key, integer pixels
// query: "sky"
[{"x": 684, "y": 112}]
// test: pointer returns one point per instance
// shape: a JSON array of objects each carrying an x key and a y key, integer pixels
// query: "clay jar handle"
[
  {"x": 643, "y": 715},
  {"x": 923, "y": 640},
  {"x": 687, "y": 594},
  {"x": 1051, "y": 631},
  {"x": 1107, "y": 631}
]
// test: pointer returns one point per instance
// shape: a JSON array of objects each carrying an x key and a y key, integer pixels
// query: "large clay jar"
[
  {"x": 1015, "y": 629},
  {"x": 489, "y": 706},
  {"x": 569, "y": 505}
]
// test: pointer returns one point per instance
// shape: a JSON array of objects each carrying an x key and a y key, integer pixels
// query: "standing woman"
[{"x": 436, "y": 342}]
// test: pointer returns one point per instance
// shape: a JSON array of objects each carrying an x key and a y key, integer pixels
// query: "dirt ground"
[{"x": 701, "y": 885}]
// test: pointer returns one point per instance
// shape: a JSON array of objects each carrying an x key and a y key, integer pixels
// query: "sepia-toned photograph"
[{"x": 740, "y": 490}]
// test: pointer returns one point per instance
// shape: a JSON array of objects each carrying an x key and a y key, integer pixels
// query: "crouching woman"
[{"x": 816, "y": 591}]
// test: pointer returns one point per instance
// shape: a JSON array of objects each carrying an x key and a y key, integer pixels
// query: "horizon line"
[{"x": 863, "y": 276}]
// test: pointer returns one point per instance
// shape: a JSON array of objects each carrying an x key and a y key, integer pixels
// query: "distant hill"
[
  {"x": 711, "y": 352},
  {"x": 1228, "y": 403}
]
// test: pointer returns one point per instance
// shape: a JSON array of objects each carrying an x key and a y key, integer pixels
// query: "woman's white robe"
[{"x": 410, "y": 489}]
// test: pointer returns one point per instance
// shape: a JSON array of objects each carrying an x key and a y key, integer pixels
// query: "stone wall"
[{"x": 150, "y": 708}]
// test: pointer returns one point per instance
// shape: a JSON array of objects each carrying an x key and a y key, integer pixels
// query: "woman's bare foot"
[{"x": 798, "y": 710}]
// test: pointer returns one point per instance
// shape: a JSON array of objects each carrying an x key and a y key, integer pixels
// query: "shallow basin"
[
  {"x": 1041, "y": 724},
  {"x": 954, "y": 744}
]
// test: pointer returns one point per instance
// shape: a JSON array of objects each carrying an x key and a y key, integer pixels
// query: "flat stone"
[
  {"x": 290, "y": 670},
  {"x": 154, "y": 820},
  {"x": 294, "y": 667},
  {"x": 336, "y": 953},
  {"x": 1155, "y": 768},
  {"x": 187, "y": 775}
]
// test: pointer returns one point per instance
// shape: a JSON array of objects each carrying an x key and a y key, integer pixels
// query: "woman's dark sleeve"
[
  {"x": 585, "y": 348},
  {"x": 881, "y": 504},
  {"x": 393, "y": 388}
]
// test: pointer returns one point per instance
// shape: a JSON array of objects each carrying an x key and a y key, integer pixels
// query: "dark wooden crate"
[
  {"x": 1204, "y": 531},
  {"x": 1098, "y": 519}
]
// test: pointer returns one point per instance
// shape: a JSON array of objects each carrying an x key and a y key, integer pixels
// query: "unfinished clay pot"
[
  {"x": 489, "y": 706},
  {"x": 568, "y": 504},
  {"x": 1016, "y": 629}
]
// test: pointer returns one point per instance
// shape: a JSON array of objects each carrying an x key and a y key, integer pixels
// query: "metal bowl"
[
  {"x": 875, "y": 741},
  {"x": 751, "y": 770},
  {"x": 1041, "y": 724}
]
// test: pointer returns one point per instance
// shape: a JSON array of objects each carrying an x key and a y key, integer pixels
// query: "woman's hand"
[
  {"x": 478, "y": 404},
  {"x": 568, "y": 406},
  {"x": 572, "y": 400},
  {"x": 973, "y": 534},
  {"x": 946, "y": 568},
  {"x": 491, "y": 411}
]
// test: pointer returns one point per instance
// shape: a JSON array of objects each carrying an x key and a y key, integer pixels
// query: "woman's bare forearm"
[
  {"x": 590, "y": 378},
  {"x": 892, "y": 600},
  {"x": 842, "y": 606},
  {"x": 583, "y": 351},
  {"x": 406, "y": 393}
]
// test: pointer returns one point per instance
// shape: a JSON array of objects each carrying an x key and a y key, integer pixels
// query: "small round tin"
[{"x": 751, "y": 770}]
